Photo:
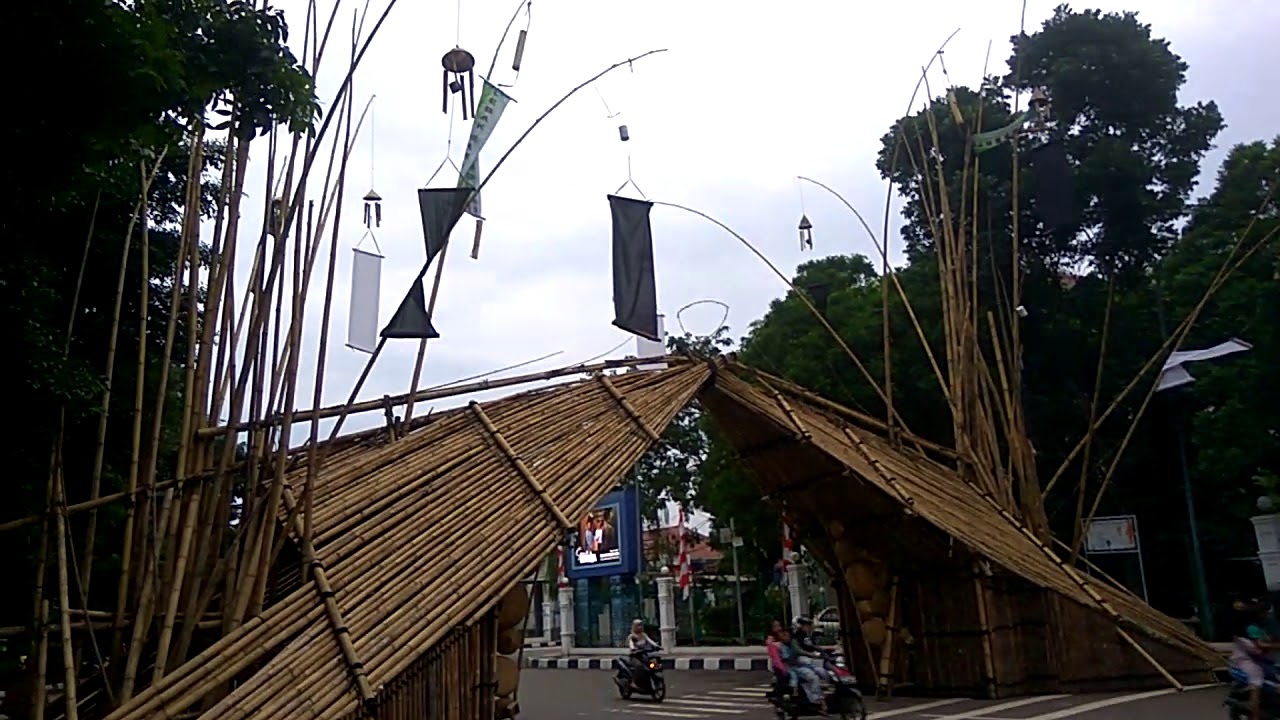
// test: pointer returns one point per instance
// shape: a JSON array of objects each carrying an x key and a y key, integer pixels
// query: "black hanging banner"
[
  {"x": 819, "y": 294},
  {"x": 411, "y": 319},
  {"x": 635, "y": 294},
  {"x": 1054, "y": 190},
  {"x": 441, "y": 209}
]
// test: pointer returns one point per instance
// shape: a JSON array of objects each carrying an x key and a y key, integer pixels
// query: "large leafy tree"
[
  {"x": 107, "y": 90},
  {"x": 1135, "y": 152}
]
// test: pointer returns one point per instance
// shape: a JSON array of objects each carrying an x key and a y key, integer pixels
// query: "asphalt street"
[{"x": 694, "y": 695}]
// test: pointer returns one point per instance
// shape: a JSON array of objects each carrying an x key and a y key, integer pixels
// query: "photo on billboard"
[{"x": 598, "y": 543}]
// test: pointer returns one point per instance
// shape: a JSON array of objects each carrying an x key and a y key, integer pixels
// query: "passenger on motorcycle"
[
  {"x": 1249, "y": 650},
  {"x": 799, "y": 676}
]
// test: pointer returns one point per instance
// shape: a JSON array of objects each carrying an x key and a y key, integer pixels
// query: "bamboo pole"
[
  {"x": 1077, "y": 527},
  {"x": 988, "y": 653},
  {"x": 64, "y": 601},
  {"x": 40, "y": 691},
  {"x": 885, "y": 685}
]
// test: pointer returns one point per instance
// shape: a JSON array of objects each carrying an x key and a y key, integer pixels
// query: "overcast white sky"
[{"x": 749, "y": 95}]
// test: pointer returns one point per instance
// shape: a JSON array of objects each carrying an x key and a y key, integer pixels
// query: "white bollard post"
[
  {"x": 547, "y": 614},
  {"x": 667, "y": 611},
  {"x": 795, "y": 587},
  {"x": 566, "y": 620}
]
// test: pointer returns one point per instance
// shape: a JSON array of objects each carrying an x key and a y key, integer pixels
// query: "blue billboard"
[{"x": 607, "y": 539}]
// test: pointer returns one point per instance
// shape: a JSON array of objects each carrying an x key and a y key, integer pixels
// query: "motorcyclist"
[
  {"x": 638, "y": 642},
  {"x": 1249, "y": 649},
  {"x": 803, "y": 634}
]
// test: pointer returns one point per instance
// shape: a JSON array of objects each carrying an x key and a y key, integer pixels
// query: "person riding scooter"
[
  {"x": 1249, "y": 652},
  {"x": 638, "y": 643}
]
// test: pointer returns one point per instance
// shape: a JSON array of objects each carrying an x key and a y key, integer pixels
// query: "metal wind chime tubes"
[
  {"x": 806, "y": 233},
  {"x": 458, "y": 63}
]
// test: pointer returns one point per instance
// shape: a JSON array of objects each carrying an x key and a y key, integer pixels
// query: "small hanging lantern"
[
  {"x": 806, "y": 233},
  {"x": 457, "y": 63},
  {"x": 1040, "y": 106},
  {"x": 624, "y": 133},
  {"x": 372, "y": 209}
]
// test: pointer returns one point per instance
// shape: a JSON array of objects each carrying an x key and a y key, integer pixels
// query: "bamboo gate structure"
[{"x": 356, "y": 575}]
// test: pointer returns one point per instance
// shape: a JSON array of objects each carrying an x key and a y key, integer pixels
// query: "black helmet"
[{"x": 804, "y": 620}]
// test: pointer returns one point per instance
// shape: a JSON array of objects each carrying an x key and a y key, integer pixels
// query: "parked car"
[{"x": 827, "y": 626}]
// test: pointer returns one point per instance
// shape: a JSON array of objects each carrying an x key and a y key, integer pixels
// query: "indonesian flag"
[
  {"x": 787, "y": 547},
  {"x": 686, "y": 577},
  {"x": 560, "y": 576}
]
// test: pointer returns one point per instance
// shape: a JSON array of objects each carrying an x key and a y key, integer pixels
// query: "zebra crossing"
[
  {"x": 747, "y": 702},
  {"x": 704, "y": 705}
]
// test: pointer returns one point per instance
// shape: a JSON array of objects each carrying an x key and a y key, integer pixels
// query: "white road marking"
[
  {"x": 736, "y": 693},
  {"x": 658, "y": 713},
  {"x": 913, "y": 709},
  {"x": 990, "y": 709},
  {"x": 1109, "y": 702},
  {"x": 706, "y": 706}
]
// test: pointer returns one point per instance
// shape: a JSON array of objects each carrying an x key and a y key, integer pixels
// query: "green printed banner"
[
  {"x": 984, "y": 141},
  {"x": 488, "y": 111}
]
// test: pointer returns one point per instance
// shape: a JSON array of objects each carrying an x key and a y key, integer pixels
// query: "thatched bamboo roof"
[{"x": 424, "y": 534}]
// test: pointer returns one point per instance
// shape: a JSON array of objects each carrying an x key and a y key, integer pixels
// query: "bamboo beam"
[
  {"x": 628, "y": 408},
  {"x": 521, "y": 468},
  {"x": 333, "y": 411},
  {"x": 887, "y": 476}
]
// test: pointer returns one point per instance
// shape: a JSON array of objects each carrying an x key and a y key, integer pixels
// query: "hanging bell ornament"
[
  {"x": 372, "y": 209},
  {"x": 624, "y": 133},
  {"x": 806, "y": 233}
]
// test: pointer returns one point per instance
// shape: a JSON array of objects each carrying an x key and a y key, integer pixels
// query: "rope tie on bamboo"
[
  {"x": 389, "y": 412},
  {"x": 628, "y": 408},
  {"x": 519, "y": 465},
  {"x": 888, "y": 477},
  {"x": 1080, "y": 582}
]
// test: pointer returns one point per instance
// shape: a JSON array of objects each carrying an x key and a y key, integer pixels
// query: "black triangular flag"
[
  {"x": 819, "y": 293},
  {"x": 635, "y": 295},
  {"x": 411, "y": 319},
  {"x": 441, "y": 209},
  {"x": 1054, "y": 193}
]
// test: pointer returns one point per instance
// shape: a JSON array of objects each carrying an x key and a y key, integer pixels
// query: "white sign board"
[{"x": 1116, "y": 534}]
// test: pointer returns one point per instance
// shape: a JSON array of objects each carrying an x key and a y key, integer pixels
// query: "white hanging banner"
[
  {"x": 646, "y": 348},
  {"x": 366, "y": 286}
]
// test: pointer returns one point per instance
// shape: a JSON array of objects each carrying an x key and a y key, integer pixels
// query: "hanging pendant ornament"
[
  {"x": 458, "y": 63},
  {"x": 806, "y": 233},
  {"x": 372, "y": 209}
]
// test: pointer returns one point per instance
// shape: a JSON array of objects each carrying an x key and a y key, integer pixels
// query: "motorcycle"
[
  {"x": 648, "y": 681},
  {"x": 843, "y": 699},
  {"x": 1237, "y": 702}
]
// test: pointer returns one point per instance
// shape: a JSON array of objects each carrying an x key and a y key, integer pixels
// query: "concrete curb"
[{"x": 743, "y": 664}]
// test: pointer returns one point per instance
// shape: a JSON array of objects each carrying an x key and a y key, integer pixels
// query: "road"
[{"x": 574, "y": 694}]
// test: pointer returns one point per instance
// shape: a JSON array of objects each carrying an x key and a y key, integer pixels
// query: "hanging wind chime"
[
  {"x": 806, "y": 233},
  {"x": 366, "y": 268},
  {"x": 459, "y": 79}
]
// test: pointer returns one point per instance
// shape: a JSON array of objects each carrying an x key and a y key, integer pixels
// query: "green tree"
[
  {"x": 111, "y": 87},
  {"x": 1234, "y": 422}
]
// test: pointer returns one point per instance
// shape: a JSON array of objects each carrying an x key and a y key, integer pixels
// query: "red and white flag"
[
  {"x": 560, "y": 576},
  {"x": 686, "y": 576},
  {"x": 787, "y": 547}
]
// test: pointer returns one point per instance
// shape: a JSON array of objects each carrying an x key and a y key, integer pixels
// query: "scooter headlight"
[{"x": 653, "y": 664}]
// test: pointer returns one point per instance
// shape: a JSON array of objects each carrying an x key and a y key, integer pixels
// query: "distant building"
[{"x": 662, "y": 547}]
